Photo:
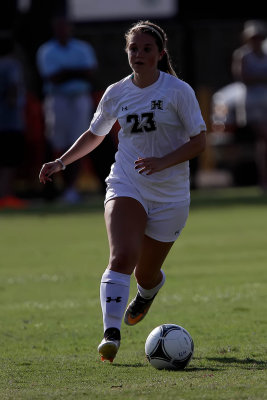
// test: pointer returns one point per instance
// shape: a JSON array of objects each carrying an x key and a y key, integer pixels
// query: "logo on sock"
[{"x": 109, "y": 299}]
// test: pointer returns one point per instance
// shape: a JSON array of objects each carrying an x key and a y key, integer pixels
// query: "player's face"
[{"x": 143, "y": 53}]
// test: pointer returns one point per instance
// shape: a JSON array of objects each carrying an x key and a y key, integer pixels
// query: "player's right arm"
[{"x": 86, "y": 143}]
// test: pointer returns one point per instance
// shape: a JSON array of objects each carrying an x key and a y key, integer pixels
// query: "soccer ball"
[{"x": 169, "y": 346}]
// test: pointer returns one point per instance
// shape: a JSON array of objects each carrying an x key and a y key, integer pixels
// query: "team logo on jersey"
[{"x": 157, "y": 104}]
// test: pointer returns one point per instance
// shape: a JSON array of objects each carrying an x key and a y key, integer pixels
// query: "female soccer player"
[{"x": 147, "y": 197}]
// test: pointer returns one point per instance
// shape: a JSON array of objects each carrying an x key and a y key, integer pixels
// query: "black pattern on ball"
[{"x": 169, "y": 346}]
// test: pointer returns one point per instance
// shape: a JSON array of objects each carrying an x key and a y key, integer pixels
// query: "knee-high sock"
[
  {"x": 149, "y": 293},
  {"x": 114, "y": 294}
]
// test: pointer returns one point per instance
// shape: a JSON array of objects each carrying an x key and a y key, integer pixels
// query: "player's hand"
[
  {"x": 149, "y": 165},
  {"x": 48, "y": 170}
]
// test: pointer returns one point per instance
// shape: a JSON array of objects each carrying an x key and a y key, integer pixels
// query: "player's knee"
[{"x": 124, "y": 260}]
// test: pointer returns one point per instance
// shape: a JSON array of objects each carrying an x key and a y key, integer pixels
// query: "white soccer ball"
[{"x": 169, "y": 346}]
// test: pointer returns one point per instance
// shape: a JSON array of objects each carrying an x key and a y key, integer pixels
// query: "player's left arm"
[{"x": 195, "y": 146}]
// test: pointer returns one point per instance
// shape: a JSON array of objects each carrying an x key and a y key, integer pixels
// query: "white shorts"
[{"x": 165, "y": 220}]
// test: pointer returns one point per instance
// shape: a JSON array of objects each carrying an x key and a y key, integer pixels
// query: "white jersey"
[{"x": 154, "y": 121}]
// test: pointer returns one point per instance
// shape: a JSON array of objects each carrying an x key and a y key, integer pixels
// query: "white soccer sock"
[
  {"x": 149, "y": 293},
  {"x": 114, "y": 294}
]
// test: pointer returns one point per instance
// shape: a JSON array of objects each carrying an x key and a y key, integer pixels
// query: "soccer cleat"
[
  {"x": 109, "y": 346},
  {"x": 137, "y": 309}
]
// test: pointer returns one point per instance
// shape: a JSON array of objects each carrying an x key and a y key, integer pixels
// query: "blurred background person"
[
  {"x": 249, "y": 65},
  {"x": 12, "y": 121},
  {"x": 66, "y": 65}
]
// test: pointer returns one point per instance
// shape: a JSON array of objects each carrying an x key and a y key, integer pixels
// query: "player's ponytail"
[
  {"x": 160, "y": 37},
  {"x": 165, "y": 64}
]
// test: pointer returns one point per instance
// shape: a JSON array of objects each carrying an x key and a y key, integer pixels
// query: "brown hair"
[{"x": 160, "y": 37}]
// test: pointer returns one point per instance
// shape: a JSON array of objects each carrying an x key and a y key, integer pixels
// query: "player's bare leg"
[
  {"x": 148, "y": 269},
  {"x": 125, "y": 221},
  {"x": 150, "y": 278}
]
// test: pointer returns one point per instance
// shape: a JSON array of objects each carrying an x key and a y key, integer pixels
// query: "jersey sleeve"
[
  {"x": 189, "y": 111},
  {"x": 104, "y": 117}
]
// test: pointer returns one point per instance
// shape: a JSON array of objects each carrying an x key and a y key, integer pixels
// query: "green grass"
[{"x": 51, "y": 262}]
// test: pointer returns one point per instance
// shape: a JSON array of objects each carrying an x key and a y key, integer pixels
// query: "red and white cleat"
[
  {"x": 108, "y": 349},
  {"x": 109, "y": 346}
]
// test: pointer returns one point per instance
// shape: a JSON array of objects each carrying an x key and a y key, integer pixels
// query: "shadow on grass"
[
  {"x": 137, "y": 365},
  {"x": 203, "y": 369},
  {"x": 188, "y": 370},
  {"x": 248, "y": 363}
]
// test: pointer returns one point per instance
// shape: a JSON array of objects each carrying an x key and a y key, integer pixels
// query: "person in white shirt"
[
  {"x": 66, "y": 65},
  {"x": 249, "y": 67},
  {"x": 147, "y": 198}
]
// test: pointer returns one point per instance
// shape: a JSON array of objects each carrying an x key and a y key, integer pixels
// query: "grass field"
[{"x": 51, "y": 261}]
